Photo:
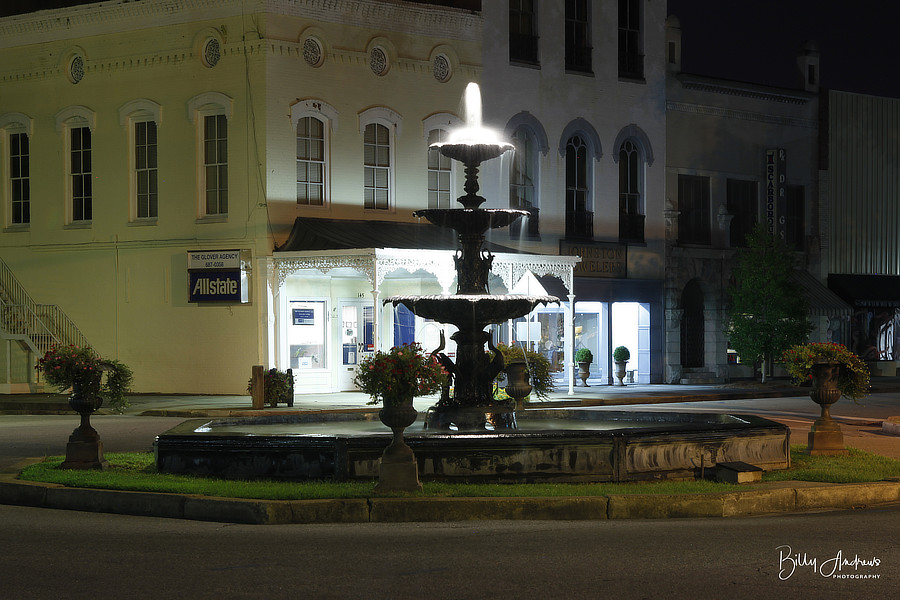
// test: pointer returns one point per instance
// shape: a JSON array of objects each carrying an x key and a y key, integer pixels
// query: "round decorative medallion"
[
  {"x": 212, "y": 52},
  {"x": 312, "y": 52},
  {"x": 378, "y": 61},
  {"x": 76, "y": 69},
  {"x": 441, "y": 68}
]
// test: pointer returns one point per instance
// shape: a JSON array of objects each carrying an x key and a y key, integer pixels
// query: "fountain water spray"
[{"x": 472, "y": 308}]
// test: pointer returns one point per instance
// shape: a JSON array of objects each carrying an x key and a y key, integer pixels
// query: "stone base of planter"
[
  {"x": 826, "y": 443},
  {"x": 400, "y": 476},
  {"x": 85, "y": 455}
]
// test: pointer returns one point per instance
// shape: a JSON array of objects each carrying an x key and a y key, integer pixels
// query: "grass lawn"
[{"x": 137, "y": 472}]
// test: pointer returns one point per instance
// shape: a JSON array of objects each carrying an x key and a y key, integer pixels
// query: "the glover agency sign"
[{"x": 214, "y": 276}]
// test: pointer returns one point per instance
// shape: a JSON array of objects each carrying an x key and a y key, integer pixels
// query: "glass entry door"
[{"x": 357, "y": 328}]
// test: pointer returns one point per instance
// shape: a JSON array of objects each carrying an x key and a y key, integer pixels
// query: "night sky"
[{"x": 757, "y": 41}]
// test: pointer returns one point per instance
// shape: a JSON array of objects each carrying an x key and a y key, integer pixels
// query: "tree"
[{"x": 768, "y": 312}]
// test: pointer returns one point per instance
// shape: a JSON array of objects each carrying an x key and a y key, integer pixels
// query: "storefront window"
[{"x": 306, "y": 335}]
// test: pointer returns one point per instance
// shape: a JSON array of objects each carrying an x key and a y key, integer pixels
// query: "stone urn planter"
[
  {"x": 517, "y": 385},
  {"x": 621, "y": 355},
  {"x": 584, "y": 358},
  {"x": 825, "y": 436},
  {"x": 85, "y": 448},
  {"x": 398, "y": 470}
]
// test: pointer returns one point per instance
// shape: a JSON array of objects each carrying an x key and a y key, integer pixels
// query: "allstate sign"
[
  {"x": 218, "y": 285},
  {"x": 216, "y": 276}
]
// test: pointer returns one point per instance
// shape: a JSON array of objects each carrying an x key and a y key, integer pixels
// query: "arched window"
[
  {"x": 523, "y": 183},
  {"x": 210, "y": 112},
  {"x": 579, "y": 220},
  {"x": 15, "y": 174},
  {"x": 439, "y": 172},
  {"x": 310, "y": 161},
  {"x": 379, "y": 125},
  {"x": 631, "y": 200}
]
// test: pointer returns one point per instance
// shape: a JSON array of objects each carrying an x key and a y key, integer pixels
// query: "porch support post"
[{"x": 569, "y": 348}]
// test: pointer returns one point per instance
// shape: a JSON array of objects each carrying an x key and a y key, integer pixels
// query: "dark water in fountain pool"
[{"x": 567, "y": 421}]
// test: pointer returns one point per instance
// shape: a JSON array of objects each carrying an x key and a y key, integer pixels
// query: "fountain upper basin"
[{"x": 471, "y": 310}]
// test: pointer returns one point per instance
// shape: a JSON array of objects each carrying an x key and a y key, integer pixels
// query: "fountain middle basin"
[{"x": 556, "y": 445}]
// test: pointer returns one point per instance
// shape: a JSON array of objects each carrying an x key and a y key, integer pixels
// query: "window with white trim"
[
  {"x": 215, "y": 164},
  {"x": 522, "y": 180},
  {"x": 310, "y": 161},
  {"x": 80, "y": 173},
  {"x": 146, "y": 170},
  {"x": 439, "y": 172},
  {"x": 377, "y": 164},
  {"x": 19, "y": 179}
]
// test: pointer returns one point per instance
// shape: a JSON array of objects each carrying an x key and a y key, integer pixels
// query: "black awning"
[
  {"x": 867, "y": 290},
  {"x": 822, "y": 301},
  {"x": 342, "y": 234}
]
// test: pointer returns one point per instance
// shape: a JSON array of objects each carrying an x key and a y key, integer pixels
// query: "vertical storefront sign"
[{"x": 776, "y": 192}]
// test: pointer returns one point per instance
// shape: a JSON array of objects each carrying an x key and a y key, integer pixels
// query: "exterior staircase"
[
  {"x": 34, "y": 327},
  {"x": 699, "y": 376}
]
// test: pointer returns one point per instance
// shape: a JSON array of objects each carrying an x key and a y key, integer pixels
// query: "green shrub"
[
  {"x": 583, "y": 355},
  {"x": 621, "y": 354}
]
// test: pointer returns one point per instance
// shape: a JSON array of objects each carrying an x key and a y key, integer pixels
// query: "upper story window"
[
  {"x": 141, "y": 119},
  {"x": 76, "y": 123},
  {"x": 741, "y": 202},
  {"x": 578, "y": 35},
  {"x": 210, "y": 112},
  {"x": 523, "y": 183},
  {"x": 379, "y": 127},
  {"x": 439, "y": 172},
  {"x": 19, "y": 179},
  {"x": 215, "y": 163},
  {"x": 579, "y": 220},
  {"x": 693, "y": 205},
  {"x": 631, "y": 56},
  {"x": 145, "y": 170},
  {"x": 80, "y": 172},
  {"x": 523, "y": 38},
  {"x": 631, "y": 200},
  {"x": 377, "y": 161},
  {"x": 310, "y": 162}
]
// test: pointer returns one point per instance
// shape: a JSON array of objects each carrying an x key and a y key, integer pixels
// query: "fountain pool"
[{"x": 560, "y": 445}]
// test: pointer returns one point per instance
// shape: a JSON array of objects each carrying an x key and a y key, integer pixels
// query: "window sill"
[
  {"x": 581, "y": 72},
  {"x": 79, "y": 225},
  {"x": 18, "y": 228},
  {"x": 212, "y": 219},
  {"x": 525, "y": 63},
  {"x": 142, "y": 222},
  {"x": 624, "y": 78}
]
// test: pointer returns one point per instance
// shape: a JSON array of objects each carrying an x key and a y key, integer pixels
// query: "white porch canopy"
[{"x": 377, "y": 263}]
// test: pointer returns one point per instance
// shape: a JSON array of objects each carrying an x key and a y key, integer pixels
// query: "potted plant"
[
  {"x": 584, "y": 358},
  {"x": 278, "y": 387},
  {"x": 834, "y": 371},
  {"x": 81, "y": 370},
  {"x": 621, "y": 355},
  {"x": 523, "y": 365},
  {"x": 394, "y": 378}
]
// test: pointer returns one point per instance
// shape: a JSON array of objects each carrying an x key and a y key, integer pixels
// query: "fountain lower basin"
[{"x": 549, "y": 445}]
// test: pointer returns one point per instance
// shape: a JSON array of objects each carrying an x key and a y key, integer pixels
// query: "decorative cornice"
[
  {"x": 743, "y": 115},
  {"x": 744, "y": 91},
  {"x": 114, "y": 16}
]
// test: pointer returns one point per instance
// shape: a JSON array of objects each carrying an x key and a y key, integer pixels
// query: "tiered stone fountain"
[
  {"x": 467, "y": 436},
  {"x": 472, "y": 308}
]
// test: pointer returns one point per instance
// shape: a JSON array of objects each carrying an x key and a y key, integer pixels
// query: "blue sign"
[
  {"x": 214, "y": 285},
  {"x": 304, "y": 316}
]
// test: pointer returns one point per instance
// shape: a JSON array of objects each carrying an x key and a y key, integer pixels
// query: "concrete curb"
[{"x": 787, "y": 497}]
